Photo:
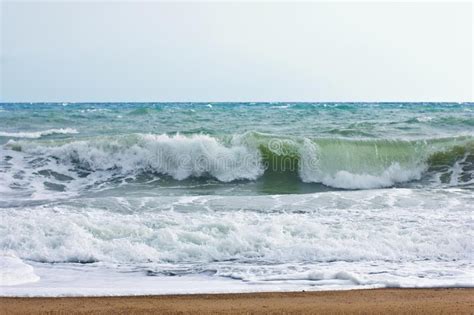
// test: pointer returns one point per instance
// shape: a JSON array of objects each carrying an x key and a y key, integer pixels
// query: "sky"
[{"x": 107, "y": 51}]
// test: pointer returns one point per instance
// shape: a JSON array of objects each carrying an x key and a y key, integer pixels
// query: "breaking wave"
[
  {"x": 338, "y": 163},
  {"x": 37, "y": 134},
  {"x": 284, "y": 228}
]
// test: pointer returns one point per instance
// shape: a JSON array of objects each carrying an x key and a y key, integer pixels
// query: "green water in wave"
[{"x": 302, "y": 147}]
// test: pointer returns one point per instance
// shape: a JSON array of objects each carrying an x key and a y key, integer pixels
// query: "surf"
[
  {"x": 37, "y": 134},
  {"x": 248, "y": 157}
]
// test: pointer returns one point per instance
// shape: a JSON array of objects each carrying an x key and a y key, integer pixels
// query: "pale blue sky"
[{"x": 156, "y": 51}]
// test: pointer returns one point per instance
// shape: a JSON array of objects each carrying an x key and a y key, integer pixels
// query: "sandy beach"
[{"x": 387, "y": 301}]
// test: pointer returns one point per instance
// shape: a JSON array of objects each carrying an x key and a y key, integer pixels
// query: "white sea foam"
[
  {"x": 38, "y": 134},
  {"x": 178, "y": 156},
  {"x": 392, "y": 175},
  {"x": 170, "y": 230},
  {"x": 14, "y": 271},
  {"x": 424, "y": 119},
  {"x": 103, "y": 280},
  {"x": 333, "y": 240}
]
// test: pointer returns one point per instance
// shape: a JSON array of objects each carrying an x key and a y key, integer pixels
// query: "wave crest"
[
  {"x": 347, "y": 164},
  {"x": 37, "y": 134},
  {"x": 177, "y": 156}
]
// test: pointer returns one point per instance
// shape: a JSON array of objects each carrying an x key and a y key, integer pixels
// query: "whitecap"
[{"x": 38, "y": 134}]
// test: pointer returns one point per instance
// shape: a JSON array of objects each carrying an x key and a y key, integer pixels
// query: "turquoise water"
[
  {"x": 274, "y": 195},
  {"x": 236, "y": 148},
  {"x": 346, "y": 120}
]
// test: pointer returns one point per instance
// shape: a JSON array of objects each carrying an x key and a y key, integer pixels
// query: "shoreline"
[{"x": 367, "y": 301}]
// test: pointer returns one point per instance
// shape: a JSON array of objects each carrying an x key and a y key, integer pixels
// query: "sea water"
[{"x": 155, "y": 198}]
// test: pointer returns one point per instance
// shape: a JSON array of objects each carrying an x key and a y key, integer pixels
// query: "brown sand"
[{"x": 378, "y": 301}]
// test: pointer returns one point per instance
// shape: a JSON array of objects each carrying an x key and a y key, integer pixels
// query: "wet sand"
[{"x": 387, "y": 301}]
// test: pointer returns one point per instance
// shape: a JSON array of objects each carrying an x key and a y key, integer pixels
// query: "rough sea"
[{"x": 154, "y": 198}]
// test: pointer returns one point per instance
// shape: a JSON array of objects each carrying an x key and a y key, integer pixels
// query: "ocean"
[{"x": 157, "y": 198}]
